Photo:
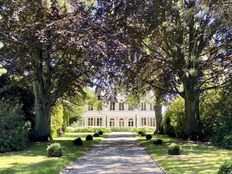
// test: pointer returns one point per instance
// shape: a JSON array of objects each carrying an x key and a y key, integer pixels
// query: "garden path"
[{"x": 119, "y": 153}]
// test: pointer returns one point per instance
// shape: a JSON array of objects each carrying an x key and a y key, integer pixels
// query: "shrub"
[
  {"x": 143, "y": 134},
  {"x": 100, "y": 132},
  {"x": 96, "y": 134},
  {"x": 226, "y": 168},
  {"x": 54, "y": 150},
  {"x": 89, "y": 138},
  {"x": 78, "y": 142},
  {"x": 227, "y": 141},
  {"x": 148, "y": 136},
  {"x": 158, "y": 142},
  {"x": 174, "y": 149},
  {"x": 173, "y": 122},
  {"x": 13, "y": 129},
  {"x": 74, "y": 128},
  {"x": 140, "y": 132},
  {"x": 56, "y": 119}
]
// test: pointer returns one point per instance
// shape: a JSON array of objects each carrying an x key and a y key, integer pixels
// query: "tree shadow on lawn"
[
  {"x": 35, "y": 160},
  {"x": 196, "y": 158}
]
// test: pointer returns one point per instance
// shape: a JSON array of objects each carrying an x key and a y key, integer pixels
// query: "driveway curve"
[{"x": 119, "y": 153}]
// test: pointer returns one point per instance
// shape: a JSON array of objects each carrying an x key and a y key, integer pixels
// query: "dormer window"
[
  {"x": 121, "y": 106},
  {"x": 143, "y": 106},
  {"x": 90, "y": 107},
  {"x": 112, "y": 106}
]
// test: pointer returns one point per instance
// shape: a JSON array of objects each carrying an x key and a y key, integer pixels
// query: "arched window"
[
  {"x": 131, "y": 122},
  {"x": 121, "y": 122},
  {"x": 112, "y": 122}
]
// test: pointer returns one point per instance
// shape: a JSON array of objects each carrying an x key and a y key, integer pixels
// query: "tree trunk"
[
  {"x": 192, "y": 124},
  {"x": 158, "y": 110},
  {"x": 42, "y": 110}
]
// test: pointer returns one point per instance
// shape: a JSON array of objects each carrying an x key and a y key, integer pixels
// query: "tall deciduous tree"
[
  {"x": 46, "y": 43},
  {"x": 189, "y": 39}
]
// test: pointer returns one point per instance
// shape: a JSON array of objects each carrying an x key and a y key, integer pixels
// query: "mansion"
[{"x": 120, "y": 114}]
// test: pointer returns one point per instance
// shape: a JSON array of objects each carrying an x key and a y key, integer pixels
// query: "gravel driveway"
[{"x": 119, "y": 153}]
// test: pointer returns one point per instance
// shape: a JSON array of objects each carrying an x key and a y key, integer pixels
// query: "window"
[
  {"x": 112, "y": 106},
  {"x": 121, "y": 106},
  {"x": 112, "y": 122},
  {"x": 121, "y": 122},
  {"x": 130, "y": 107},
  {"x": 144, "y": 122},
  {"x": 90, "y": 107},
  {"x": 131, "y": 122},
  {"x": 99, "y": 108},
  {"x": 143, "y": 106},
  {"x": 99, "y": 121},
  {"x": 151, "y": 107},
  {"x": 90, "y": 121}
]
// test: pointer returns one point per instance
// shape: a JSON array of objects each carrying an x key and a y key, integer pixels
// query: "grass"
[
  {"x": 34, "y": 160},
  {"x": 195, "y": 159}
]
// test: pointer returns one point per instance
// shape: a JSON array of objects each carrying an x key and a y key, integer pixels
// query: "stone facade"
[{"x": 120, "y": 114}]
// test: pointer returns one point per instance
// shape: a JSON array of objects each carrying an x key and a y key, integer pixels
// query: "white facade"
[{"x": 120, "y": 114}]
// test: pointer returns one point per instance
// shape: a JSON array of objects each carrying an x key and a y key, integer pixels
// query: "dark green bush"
[
  {"x": 174, "y": 149},
  {"x": 143, "y": 134},
  {"x": 148, "y": 136},
  {"x": 13, "y": 129},
  {"x": 227, "y": 141},
  {"x": 54, "y": 150},
  {"x": 89, "y": 138},
  {"x": 101, "y": 132},
  {"x": 140, "y": 132},
  {"x": 226, "y": 168},
  {"x": 158, "y": 142},
  {"x": 78, "y": 142},
  {"x": 96, "y": 135}
]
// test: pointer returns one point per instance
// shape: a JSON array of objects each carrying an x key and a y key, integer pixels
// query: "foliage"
[
  {"x": 168, "y": 128},
  {"x": 54, "y": 150},
  {"x": 148, "y": 136},
  {"x": 158, "y": 142},
  {"x": 56, "y": 119},
  {"x": 176, "y": 114},
  {"x": 78, "y": 142},
  {"x": 226, "y": 168},
  {"x": 174, "y": 149},
  {"x": 96, "y": 134},
  {"x": 101, "y": 132},
  {"x": 13, "y": 129},
  {"x": 89, "y": 138},
  {"x": 87, "y": 129},
  {"x": 143, "y": 129}
]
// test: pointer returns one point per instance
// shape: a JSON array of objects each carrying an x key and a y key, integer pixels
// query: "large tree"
[
  {"x": 46, "y": 44},
  {"x": 189, "y": 39}
]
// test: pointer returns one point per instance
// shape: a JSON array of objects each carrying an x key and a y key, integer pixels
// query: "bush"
[
  {"x": 148, "y": 136},
  {"x": 89, "y": 138},
  {"x": 56, "y": 119},
  {"x": 74, "y": 128},
  {"x": 54, "y": 150},
  {"x": 174, "y": 149},
  {"x": 173, "y": 122},
  {"x": 158, "y": 142},
  {"x": 226, "y": 168},
  {"x": 227, "y": 141},
  {"x": 96, "y": 134},
  {"x": 143, "y": 134},
  {"x": 78, "y": 142},
  {"x": 13, "y": 129},
  {"x": 140, "y": 132},
  {"x": 100, "y": 132}
]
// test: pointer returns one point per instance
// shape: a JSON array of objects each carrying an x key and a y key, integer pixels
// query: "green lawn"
[
  {"x": 196, "y": 158},
  {"x": 34, "y": 160}
]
